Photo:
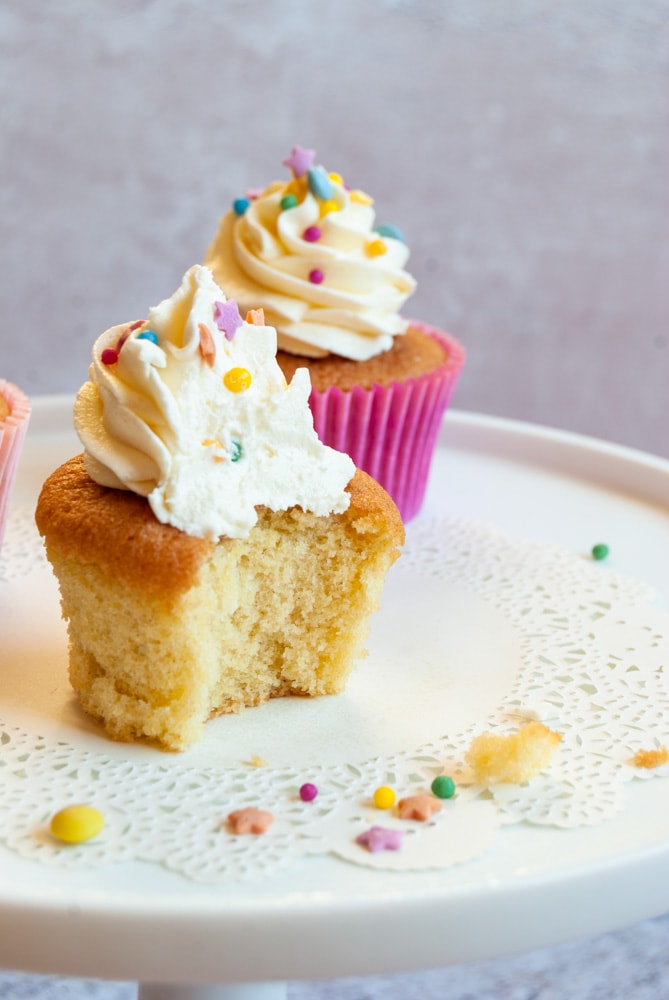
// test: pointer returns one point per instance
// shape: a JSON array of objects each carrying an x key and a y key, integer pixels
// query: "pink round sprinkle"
[
  {"x": 311, "y": 234},
  {"x": 109, "y": 356},
  {"x": 308, "y": 792},
  {"x": 316, "y": 276}
]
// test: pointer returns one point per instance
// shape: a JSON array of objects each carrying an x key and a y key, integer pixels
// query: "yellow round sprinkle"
[
  {"x": 329, "y": 206},
  {"x": 384, "y": 797},
  {"x": 237, "y": 379},
  {"x": 375, "y": 248},
  {"x": 361, "y": 198},
  {"x": 336, "y": 178},
  {"x": 76, "y": 824}
]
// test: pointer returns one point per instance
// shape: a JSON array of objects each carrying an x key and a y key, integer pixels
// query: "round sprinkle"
[
  {"x": 388, "y": 229},
  {"x": 600, "y": 551},
  {"x": 109, "y": 356},
  {"x": 316, "y": 276},
  {"x": 76, "y": 824},
  {"x": 148, "y": 335},
  {"x": 240, "y": 205},
  {"x": 237, "y": 379},
  {"x": 288, "y": 201},
  {"x": 311, "y": 234},
  {"x": 384, "y": 797},
  {"x": 376, "y": 248},
  {"x": 308, "y": 792},
  {"x": 443, "y": 787},
  {"x": 236, "y": 453}
]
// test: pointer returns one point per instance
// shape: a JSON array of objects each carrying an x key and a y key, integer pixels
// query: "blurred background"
[{"x": 521, "y": 145}]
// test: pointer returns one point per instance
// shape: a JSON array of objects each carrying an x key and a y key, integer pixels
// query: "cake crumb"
[
  {"x": 515, "y": 758},
  {"x": 651, "y": 758}
]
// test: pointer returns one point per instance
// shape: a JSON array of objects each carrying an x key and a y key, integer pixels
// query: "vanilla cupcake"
[
  {"x": 14, "y": 417},
  {"x": 333, "y": 283},
  {"x": 211, "y": 551}
]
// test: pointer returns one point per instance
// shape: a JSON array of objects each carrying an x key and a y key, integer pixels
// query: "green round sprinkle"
[
  {"x": 288, "y": 201},
  {"x": 443, "y": 787},
  {"x": 600, "y": 551}
]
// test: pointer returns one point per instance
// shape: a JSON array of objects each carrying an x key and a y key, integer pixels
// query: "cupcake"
[
  {"x": 333, "y": 284},
  {"x": 211, "y": 551},
  {"x": 14, "y": 417}
]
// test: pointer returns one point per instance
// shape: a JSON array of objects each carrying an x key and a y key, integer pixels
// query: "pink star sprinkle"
[
  {"x": 227, "y": 317},
  {"x": 380, "y": 838},
  {"x": 300, "y": 161},
  {"x": 418, "y": 807},
  {"x": 250, "y": 820}
]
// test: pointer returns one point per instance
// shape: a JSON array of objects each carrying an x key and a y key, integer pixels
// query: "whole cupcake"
[
  {"x": 333, "y": 282},
  {"x": 14, "y": 416}
]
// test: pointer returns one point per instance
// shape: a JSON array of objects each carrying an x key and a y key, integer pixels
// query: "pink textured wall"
[{"x": 522, "y": 146}]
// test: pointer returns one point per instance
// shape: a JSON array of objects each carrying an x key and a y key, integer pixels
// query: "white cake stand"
[{"x": 535, "y": 888}]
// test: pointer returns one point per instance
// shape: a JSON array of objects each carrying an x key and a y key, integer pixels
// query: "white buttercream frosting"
[
  {"x": 266, "y": 251},
  {"x": 201, "y": 421}
]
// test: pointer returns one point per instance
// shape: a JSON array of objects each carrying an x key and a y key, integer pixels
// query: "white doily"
[{"x": 477, "y": 632}]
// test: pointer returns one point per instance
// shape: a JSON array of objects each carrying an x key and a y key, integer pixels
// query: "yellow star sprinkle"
[{"x": 361, "y": 198}]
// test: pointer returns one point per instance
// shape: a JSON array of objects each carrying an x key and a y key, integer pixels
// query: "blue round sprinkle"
[
  {"x": 240, "y": 205},
  {"x": 320, "y": 184},
  {"x": 148, "y": 335},
  {"x": 387, "y": 229}
]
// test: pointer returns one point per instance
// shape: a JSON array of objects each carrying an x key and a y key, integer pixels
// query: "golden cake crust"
[
  {"x": 413, "y": 354},
  {"x": 117, "y": 530}
]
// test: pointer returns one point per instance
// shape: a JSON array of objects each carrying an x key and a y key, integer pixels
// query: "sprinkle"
[
  {"x": 320, "y": 184},
  {"x": 300, "y": 160},
  {"x": 308, "y": 792},
  {"x": 237, "y": 379},
  {"x": 240, "y": 205},
  {"x": 316, "y": 276},
  {"x": 257, "y": 761},
  {"x": 389, "y": 230},
  {"x": 236, "y": 451},
  {"x": 418, "y": 807},
  {"x": 148, "y": 335},
  {"x": 76, "y": 824},
  {"x": 329, "y": 206},
  {"x": 376, "y": 248},
  {"x": 360, "y": 198},
  {"x": 227, "y": 317},
  {"x": 109, "y": 356},
  {"x": 288, "y": 201},
  {"x": 311, "y": 234},
  {"x": 379, "y": 838},
  {"x": 600, "y": 551},
  {"x": 443, "y": 787},
  {"x": 126, "y": 333},
  {"x": 298, "y": 187},
  {"x": 250, "y": 820},
  {"x": 256, "y": 317},
  {"x": 336, "y": 179},
  {"x": 384, "y": 797},
  {"x": 207, "y": 345}
]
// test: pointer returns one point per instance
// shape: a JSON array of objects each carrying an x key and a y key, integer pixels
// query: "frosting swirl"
[
  {"x": 190, "y": 409},
  {"x": 308, "y": 252}
]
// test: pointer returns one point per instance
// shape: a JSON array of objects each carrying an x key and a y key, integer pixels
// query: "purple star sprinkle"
[
  {"x": 300, "y": 160},
  {"x": 380, "y": 838},
  {"x": 227, "y": 317}
]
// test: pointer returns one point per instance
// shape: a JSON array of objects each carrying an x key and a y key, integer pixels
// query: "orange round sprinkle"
[
  {"x": 375, "y": 248},
  {"x": 237, "y": 379}
]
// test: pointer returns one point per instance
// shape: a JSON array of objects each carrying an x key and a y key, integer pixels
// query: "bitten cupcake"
[
  {"x": 333, "y": 283},
  {"x": 14, "y": 417}
]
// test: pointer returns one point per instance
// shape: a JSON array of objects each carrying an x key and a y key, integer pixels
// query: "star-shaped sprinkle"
[
  {"x": 418, "y": 807},
  {"x": 380, "y": 838},
  {"x": 300, "y": 161},
  {"x": 207, "y": 345},
  {"x": 227, "y": 317},
  {"x": 250, "y": 820}
]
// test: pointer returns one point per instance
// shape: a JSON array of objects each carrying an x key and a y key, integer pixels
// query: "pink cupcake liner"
[
  {"x": 12, "y": 435},
  {"x": 391, "y": 431}
]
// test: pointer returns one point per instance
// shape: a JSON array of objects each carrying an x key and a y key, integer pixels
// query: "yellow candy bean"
[
  {"x": 76, "y": 824},
  {"x": 384, "y": 797},
  {"x": 237, "y": 379}
]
